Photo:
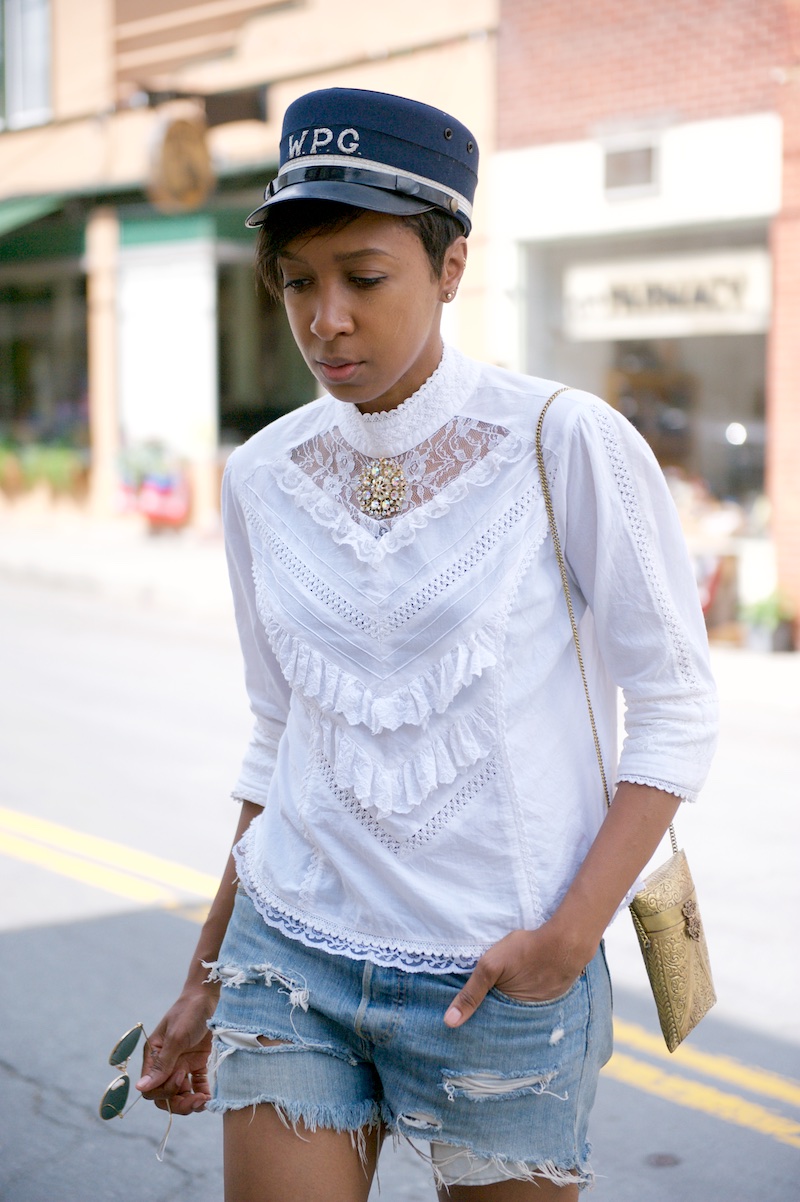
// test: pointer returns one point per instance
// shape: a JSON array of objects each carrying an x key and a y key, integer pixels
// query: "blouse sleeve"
[
  {"x": 266, "y": 687},
  {"x": 625, "y": 550}
]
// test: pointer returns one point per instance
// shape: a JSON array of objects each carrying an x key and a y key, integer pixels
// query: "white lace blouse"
[{"x": 421, "y": 744}]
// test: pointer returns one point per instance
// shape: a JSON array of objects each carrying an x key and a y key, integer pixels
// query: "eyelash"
[{"x": 359, "y": 281}]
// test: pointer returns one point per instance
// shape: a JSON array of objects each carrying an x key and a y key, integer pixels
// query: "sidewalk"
[{"x": 181, "y": 571}]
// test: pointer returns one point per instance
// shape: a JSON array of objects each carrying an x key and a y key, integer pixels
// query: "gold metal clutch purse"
[
  {"x": 664, "y": 911},
  {"x": 667, "y": 921}
]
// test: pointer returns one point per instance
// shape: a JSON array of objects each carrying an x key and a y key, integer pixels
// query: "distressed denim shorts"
[{"x": 507, "y": 1095}]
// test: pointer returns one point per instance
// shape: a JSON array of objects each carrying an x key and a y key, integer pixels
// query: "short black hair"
[{"x": 435, "y": 229}]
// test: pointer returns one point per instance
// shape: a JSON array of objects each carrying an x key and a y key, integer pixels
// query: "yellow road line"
[
  {"x": 176, "y": 877},
  {"x": 705, "y": 1098},
  {"x": 89, "y": 873},
  {"x": 724, "y": 1068}
]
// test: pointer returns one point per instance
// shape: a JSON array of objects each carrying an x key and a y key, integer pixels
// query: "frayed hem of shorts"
[
  {"x": 506, "y": 1168},
  {"x": 359, "y": 1122},
  {"x": 365, "y": 1116}
]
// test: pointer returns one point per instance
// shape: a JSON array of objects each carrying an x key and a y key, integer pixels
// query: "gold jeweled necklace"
[{"x": 382, "y": 488}]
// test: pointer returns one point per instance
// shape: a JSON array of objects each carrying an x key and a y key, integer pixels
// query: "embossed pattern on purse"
[
  {"x": 664, "y": 911},
  {"x": 670, "y": 932}
]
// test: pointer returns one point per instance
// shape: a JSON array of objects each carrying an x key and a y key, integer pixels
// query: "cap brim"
[{"x": 377, "y": 200}]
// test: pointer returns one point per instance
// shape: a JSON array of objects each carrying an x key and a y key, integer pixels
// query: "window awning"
[{"x": 18, "y": 212}]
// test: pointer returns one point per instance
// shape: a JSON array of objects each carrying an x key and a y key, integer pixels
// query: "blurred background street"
[
  {"x": 122, "y": 719},
  {"x": 636, "y": 233}
]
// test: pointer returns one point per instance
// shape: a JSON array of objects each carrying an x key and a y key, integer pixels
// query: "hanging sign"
[
  {"x": 181, "y": 172},
  {"x": 670, "y": 297}
]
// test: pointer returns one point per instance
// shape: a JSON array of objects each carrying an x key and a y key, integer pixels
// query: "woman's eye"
[
  {"x": 366, "y": 281},
  {"x": 294, "y": 285}
]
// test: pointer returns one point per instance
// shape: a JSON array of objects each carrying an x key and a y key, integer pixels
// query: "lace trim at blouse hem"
[{"x": 329, "y": 937}]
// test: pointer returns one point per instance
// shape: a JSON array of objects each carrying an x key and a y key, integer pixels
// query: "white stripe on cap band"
[{"x": 346, "y": 160}]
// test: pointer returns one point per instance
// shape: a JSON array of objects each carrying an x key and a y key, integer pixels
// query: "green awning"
[{"x": 18, "y": 212}]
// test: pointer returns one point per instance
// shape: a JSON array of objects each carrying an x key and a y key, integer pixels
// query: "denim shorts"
[{"x": 507, "y": 1095}]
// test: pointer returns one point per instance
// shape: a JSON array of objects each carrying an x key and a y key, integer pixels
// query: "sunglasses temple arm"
[{"x": 162, "y": 1147}]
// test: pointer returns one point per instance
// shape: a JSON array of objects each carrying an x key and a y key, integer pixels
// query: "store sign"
[{"x": 724, "y": 293}]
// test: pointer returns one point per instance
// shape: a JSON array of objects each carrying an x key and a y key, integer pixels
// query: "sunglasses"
[{"x": 112, "y": 1103}]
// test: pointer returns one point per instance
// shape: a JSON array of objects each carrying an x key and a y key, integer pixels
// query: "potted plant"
[{"x": 769, "y": 623}]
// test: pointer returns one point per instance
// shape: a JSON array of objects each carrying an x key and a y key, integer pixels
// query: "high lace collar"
[{"x": 419, "y": 417}]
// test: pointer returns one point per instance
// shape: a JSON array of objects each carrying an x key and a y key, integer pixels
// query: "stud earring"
[{"x": 448, "y": 296}]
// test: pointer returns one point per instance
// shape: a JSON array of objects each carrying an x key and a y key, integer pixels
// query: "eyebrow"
[{"x": 345, "y": 256}]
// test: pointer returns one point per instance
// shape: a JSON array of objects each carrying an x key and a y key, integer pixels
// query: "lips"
[{"x": 337, "y": 371}]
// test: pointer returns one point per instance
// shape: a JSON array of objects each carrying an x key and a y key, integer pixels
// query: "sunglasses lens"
[
  {"x": 123, "y": 1049},
  {"x": 113, "y": 1100}
]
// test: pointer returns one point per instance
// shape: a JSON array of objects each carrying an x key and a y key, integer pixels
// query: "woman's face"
[{"x": 364, "y": 308}]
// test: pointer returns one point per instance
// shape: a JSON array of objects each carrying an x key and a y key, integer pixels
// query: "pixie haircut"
[{"x": 435, "y": 229}]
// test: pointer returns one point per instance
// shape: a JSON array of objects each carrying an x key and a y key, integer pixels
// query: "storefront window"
[
  {"x": 699, "y": 403},
  {"x": 261, "y": 373},
  {"x": 43, "y": 396},
  {"x": 44, "y": 432},
  {"x": 24, "y": 63}
]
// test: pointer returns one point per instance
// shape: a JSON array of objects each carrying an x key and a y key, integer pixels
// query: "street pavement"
[{"x": 112, "y": 641}]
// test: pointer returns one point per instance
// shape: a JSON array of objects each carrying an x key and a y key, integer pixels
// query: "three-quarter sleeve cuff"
[{"x": 664, "y": 785}]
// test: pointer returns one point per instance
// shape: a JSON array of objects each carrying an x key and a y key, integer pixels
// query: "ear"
[{"x": 455, "y": 261}]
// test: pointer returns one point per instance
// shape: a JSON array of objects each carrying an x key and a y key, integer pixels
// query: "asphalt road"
[{"x": 120, "y": 733}]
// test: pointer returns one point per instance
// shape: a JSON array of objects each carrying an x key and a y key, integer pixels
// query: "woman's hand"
[
  {"x": 532, "y": 966},
  {"x": 175, "y": 1066},
  {"x": 536, "y": 966},
  {"x": 174, "y": 1069}
]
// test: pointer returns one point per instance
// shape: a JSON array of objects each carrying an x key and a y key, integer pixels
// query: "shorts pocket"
[{"x": 508, "y": 1000}]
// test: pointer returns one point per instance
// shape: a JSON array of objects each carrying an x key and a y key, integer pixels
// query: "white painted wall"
[
  {"x": 168, "y": 347},
  {"x": 711, "y": 173}
]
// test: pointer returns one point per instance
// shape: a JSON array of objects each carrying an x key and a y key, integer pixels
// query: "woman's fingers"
[
  {"x": 468, "y": 999},
  {"x": 532, "y": 966},
  {"x": 175, "y": 1073}
]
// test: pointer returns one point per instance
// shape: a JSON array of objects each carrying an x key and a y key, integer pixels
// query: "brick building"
[{"x": 645, "y": 216}]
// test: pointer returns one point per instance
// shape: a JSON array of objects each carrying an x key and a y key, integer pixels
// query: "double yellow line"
[
  {"x": 123, "y": 871},
  {"x": 697, "y": 1095},
  {"x": 151, "y": 880}
]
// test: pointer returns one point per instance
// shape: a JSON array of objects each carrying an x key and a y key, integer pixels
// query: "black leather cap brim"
[{"x": 377, "y": 200}]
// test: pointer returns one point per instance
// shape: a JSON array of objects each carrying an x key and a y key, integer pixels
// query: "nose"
[{"x": 332, "y": 316}]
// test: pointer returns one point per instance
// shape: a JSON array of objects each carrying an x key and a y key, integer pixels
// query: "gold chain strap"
[{"x": 562, "y": 567}]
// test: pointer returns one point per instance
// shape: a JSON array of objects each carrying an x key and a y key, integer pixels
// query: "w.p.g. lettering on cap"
[{"x": 374, "y": 151}]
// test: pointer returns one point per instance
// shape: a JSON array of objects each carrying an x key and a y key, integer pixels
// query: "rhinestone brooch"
[{"x": 382, "y": 489}]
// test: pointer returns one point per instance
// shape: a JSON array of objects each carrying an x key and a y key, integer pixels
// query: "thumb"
[
  {"x": 467, "y": 1001},
  {"x": 157, "y": 1065}
]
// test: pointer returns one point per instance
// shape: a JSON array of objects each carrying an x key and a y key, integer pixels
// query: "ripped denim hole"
[
  {"x": 231, "y": 976},
  {"x": 420, "y": 1122},
  {"x": 481, "y": 1086}
]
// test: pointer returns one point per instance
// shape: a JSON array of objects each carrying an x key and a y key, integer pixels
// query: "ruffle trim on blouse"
[
  {"x": 373, "y": 548},
  {"x": 311, "y": 931},
  {"x": 336, "y": 691},
  {"x": 384, "y": 788}
]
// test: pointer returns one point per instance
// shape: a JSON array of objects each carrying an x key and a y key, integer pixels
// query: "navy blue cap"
[{"x": 375, "y": 151}]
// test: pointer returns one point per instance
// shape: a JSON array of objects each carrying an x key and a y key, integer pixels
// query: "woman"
[{"x": 425, "y": 864}]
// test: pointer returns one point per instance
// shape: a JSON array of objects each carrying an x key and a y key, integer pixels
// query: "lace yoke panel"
[{"x": 335, "y": 467}]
